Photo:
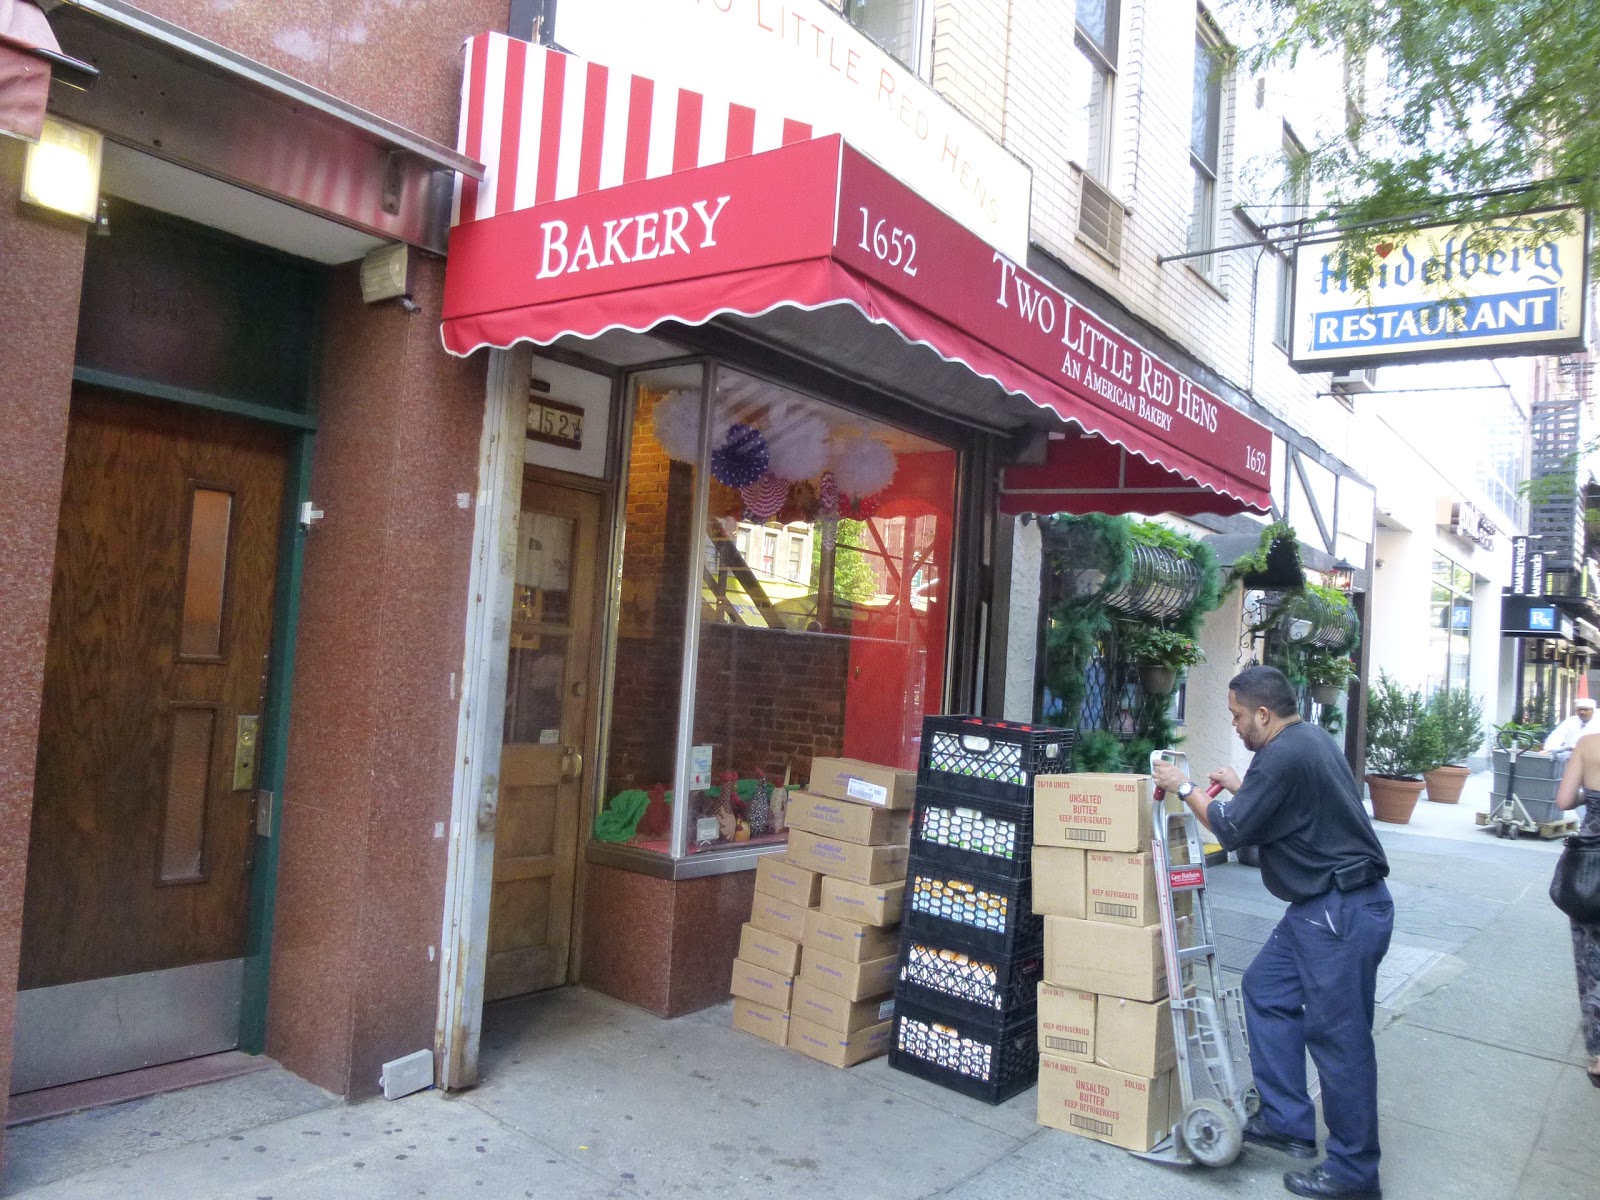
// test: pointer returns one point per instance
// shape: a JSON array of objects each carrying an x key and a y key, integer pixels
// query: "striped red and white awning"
[{"x": 548, "y": 126}]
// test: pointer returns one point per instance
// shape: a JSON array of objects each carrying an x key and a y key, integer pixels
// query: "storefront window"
[
  {"x": 1450, "y": 640},
  {"x": 822, "y": 546},
  {"x": 652, "y": 599}
]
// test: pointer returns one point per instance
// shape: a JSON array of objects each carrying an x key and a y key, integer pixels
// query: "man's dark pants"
[{"x": 1312, "y": 988}]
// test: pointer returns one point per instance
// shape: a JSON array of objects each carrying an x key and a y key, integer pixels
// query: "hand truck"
[
  {"x": 1207, "y": 1018},
  {"x": 1510, "y": 817}
]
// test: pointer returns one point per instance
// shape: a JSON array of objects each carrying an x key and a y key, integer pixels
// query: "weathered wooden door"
[
  {"x": 541, "y": 761},
  {"x": 155, "y": 676}
]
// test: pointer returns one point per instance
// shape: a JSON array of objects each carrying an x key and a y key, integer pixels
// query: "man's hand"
[
  {"x": 1227, "y": 777},
  {"x": 1167, "y": 776}
]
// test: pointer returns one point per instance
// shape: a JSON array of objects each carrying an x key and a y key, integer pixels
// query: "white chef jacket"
[{"x": 1565, "y": 735}]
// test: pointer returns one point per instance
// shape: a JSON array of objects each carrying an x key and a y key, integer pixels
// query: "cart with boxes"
[
  {"x": 971, "y": 947},
  {"x": 817, "y": 959}
]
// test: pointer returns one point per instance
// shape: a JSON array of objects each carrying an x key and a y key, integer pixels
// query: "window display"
[{"x": 821, "y": 542}]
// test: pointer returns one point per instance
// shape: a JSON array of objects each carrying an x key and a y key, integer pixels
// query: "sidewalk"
[{"x": 1482, "y": 1091}]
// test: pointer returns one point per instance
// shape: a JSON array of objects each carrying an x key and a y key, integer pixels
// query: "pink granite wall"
[
  {"x": 372, "y": 737},
  {"x": 41, "y": 272},
  {"x": 399, "y": 60}
]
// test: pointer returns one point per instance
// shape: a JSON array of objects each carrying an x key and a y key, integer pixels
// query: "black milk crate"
[
  {"x": 972, "y": 833},
  {"x": 988, "y": 912},
  {"x": 998, "y": 760},
  {"x": 991, "y": 1059},
  {"x": 967, "y": 982}
]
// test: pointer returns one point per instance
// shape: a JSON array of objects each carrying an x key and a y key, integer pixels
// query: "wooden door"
[
  {"x": 541, "y": 762},
  {"x": 156, "y": 665}
]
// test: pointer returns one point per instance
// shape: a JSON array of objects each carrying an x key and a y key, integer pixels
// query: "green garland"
[{"x": 1080, "y": 625}]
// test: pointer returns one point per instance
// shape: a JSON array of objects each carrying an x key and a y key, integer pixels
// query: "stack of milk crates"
[{"x": 971, "y": 948}]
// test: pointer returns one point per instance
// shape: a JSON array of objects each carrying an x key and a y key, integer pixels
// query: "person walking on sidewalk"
[
  {"x": 1580, "y": 784},
  {"x": 1313, "y": 985}
]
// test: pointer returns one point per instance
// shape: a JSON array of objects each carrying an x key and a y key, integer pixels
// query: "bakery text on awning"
[{"x": 815, "y": 225}]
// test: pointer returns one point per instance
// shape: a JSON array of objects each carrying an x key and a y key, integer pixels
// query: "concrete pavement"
[{"x": 1482, "y": 1090}]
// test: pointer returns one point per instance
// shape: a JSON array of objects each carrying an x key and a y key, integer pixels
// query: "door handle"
[{"x": 571, "y": 764}]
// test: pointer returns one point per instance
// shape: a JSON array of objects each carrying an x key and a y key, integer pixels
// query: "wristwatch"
[{"x": 1185, "y": 791}]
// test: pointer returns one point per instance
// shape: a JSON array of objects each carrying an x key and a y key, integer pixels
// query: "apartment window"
[
  {"x": 1205, "y": 140},
  {"x": 896, "y": 25},
  {"x": 1095, "y": 84},
  {"x": 796, "y": 549},
  {"x": 769, "y": 554},
  {"x": 1294, "y": 198}
]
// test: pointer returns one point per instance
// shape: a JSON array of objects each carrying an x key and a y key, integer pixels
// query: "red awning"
[
  {"x": 816, "y": 225},
  {"x": 24, "y": 73}
]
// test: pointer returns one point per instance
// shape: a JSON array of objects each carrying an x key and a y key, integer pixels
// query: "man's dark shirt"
[{"x": 1300, "y": 804}]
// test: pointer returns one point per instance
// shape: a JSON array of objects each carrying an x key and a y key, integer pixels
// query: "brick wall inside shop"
[
  {"x": 650, "y": 637},
  {"x": 770, "y": 700}
]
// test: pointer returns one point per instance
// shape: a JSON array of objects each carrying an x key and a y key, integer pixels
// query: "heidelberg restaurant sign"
[{"x": 1490, "y": 289}]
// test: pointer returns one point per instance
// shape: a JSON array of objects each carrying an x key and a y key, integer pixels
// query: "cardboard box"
[
  {"x": 813, "y": 1004},
  {"x": 840, "y": 1049},
  {"x": 778, "y": 916},
  {"x": 869, "y": 903},
  {"x": 1133, "y": 1037},
  {"x": 848, "y": 820},
  {"x": 863, "y": 864},
  {"x": 863, "y": 782},
  {"x": 1097, "y": 956},
  {"x": 849, "y": 939},
  {"x": 1110, "y": 1106},
  {"x": 1122, "y": 888},
  {"x": 1058, "y": 881},
  {"x": 761, "y": 1020},
  {"x": 850, "y": 980},
  {"x": 761, "y": 984},
  {"x": 1066, "y": 1022},
  {"x": 769, "y": 950},
  {"x": 1093, "y": 812},
  {"x": 782, "y": 879}
]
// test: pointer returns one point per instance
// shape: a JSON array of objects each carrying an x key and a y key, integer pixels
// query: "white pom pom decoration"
[
  {"x": 797, "y": 448},
  {"x": 862, "y": 466},
  {"x": 675, "y": 421}
]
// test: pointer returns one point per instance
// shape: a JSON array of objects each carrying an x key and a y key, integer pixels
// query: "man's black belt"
[{"x": 1356, "y": 875}]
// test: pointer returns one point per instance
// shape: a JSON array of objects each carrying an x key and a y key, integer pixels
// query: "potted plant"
[
  {"x": 1401, "y": 744},
  {"x": 1328, "y": 675},
  {"x": 1457, "y": 717},
  {"x": 1160, "y": 654}
]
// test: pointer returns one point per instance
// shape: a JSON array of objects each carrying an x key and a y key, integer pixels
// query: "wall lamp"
[{"x": 61, "y": 171}]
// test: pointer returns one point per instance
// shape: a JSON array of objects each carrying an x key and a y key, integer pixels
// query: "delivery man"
[
  {"x": 1565, "y": 735},
  {"x": 1312, "y": 986}
]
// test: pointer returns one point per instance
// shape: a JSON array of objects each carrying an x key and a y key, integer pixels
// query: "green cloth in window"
[{"x": 618, "y": 820}]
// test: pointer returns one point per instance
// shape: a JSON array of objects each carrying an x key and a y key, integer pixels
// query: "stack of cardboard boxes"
[
  {"x": 816, "y": 962},
  {"x": 1105, "y": 1023}
]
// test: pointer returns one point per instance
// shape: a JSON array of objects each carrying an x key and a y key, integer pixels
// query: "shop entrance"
[
  {"x": 548, "y": 691},
  {"x": 145, "y": 798}
]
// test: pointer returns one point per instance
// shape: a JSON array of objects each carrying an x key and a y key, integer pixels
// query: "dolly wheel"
[
  {"x": 1252, "y": 1103},
  {"x": 1212, "y": 1132}
]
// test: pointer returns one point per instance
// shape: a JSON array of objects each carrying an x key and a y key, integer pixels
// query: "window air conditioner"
[
  {"x": 1349, "y": 383},
  {"x": 1100, "y": 219}
]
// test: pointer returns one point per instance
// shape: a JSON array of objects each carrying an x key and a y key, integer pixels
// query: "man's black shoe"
[
  {"x": 1319, "y": 1185},
  {"x": 1257, "y": 1133}
]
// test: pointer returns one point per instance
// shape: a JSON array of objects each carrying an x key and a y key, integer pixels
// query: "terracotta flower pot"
[
  {"x": 1326, "y": 693},
  {"x": 1158, "y": 681},
  {"x": 1393, "y": 799},
  {"x": 1445, "y": 783}
]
